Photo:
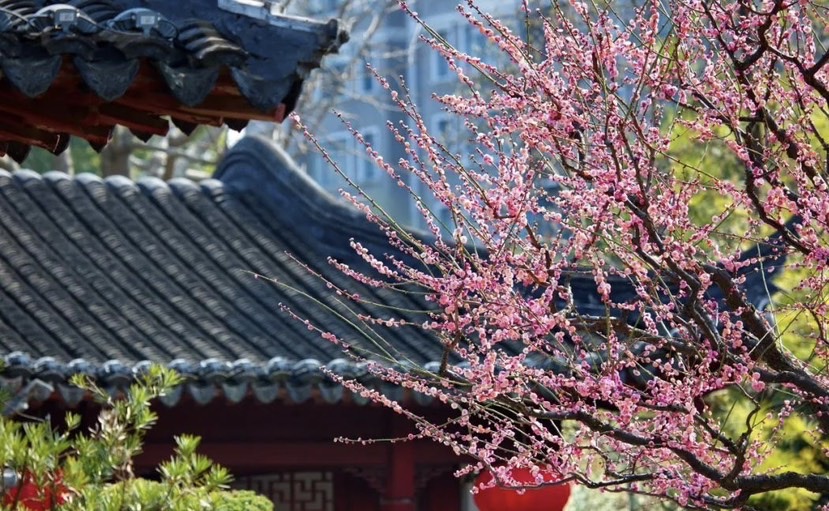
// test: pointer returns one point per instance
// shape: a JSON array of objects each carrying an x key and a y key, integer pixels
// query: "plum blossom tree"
[{"x": 574, "y": 190}]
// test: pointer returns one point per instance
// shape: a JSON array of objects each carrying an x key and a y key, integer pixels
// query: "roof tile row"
[
  {"x": 295, "y": 381},
  {"x": 80, "y": 67},
  {"x": 107, "y": 44}
]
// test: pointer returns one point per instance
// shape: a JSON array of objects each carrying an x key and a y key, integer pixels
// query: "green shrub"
[
  {"x": 74, "y": 470},
  {"x": 145, "y": 495}
]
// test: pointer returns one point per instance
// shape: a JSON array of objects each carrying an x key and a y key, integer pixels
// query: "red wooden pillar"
[
  {"x": 443, "y": 493},
  {"x": 354, "y": 494},
  {"x": 400, "y": 485}
]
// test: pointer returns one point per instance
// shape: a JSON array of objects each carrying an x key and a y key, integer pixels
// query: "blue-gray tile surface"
[{"x": 105, "y": 276}]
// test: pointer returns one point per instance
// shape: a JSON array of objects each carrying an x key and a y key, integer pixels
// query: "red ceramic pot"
[
  {"x": 544, "y": 498},
  {"x": 29, "y": 496}
]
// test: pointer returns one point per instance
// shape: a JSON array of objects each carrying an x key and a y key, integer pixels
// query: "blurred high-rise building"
[{"x": 383, "y": 36}]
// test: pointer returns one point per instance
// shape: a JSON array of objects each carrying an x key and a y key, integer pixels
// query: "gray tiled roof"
[
  {"x": 104, "y": 276},
  {"x": 99, "y": 275}
]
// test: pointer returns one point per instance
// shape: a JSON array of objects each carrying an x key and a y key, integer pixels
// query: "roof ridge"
[
  {"x": 255, "y": 165},
  {"x": 114, "y": 181}
]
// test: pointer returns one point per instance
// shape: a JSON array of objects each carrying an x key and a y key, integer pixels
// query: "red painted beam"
[
  {"x": 69, "y": 107},
  {"x": 262, "y": 457},
  {"x": 249, "y": 457}
]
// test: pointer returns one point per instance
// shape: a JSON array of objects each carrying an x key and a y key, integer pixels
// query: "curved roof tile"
[{"x": 141, "y": 60}]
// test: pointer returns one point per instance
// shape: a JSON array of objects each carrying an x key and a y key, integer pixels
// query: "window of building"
[
  {"x": 478, "y": 45},
  {"x": 446, "y": 131},
  {"x": 339, "y": 147},
  {"x": 367, "y": 170},
  {"x": 321, "y": 6},
  {"x": 475, "y": 43},
  {"x": 368, "y": 82},
  {"x": 335, "y": 72},
  {"x": 293, "y": 490},
  {"x": 318, "y": 168},
  {"x": 444, "y": 218},
  {"x": 443, "y": 129},
  {"x": 440, "y": 68}
]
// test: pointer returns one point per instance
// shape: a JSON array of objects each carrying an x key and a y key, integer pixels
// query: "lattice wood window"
[{"x": 293, "y": 491}]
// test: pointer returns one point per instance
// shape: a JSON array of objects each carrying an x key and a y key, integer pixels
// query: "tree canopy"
[{"x": 673, "y": 156}]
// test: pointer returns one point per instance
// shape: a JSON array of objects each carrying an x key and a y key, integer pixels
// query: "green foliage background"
[{"x": 794, "y": 447}]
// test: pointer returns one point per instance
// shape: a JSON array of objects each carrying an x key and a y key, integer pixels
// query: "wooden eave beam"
[
  {"x": 297, "y": 454},
  {"x": 55, "y": 118},
  {"x": 213, "y": 110},
  {"x": 14, "y": 129},
  {"x": 70, "y": 107}
]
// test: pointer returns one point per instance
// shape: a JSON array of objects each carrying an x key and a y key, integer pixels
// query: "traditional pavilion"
[{"x": 103, "y": 277}]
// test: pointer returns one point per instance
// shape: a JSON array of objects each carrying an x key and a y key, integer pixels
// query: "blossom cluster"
[{"x": 595, "y": 314}]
